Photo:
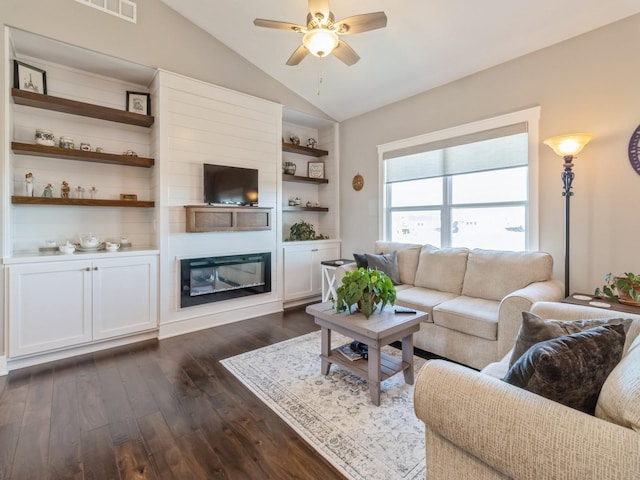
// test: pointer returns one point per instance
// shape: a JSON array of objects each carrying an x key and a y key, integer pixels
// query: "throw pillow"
[
  {"x": 570, "y": 369},
  {"x": 361, "y": 260},
  {"x": 535, "y": 329},
  {"x": 385, "y": 263}
]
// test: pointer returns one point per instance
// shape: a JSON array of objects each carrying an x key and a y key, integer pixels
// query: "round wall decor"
[
  {"x": 357, "y": 182},
  {"x": 634, "y": 150}
]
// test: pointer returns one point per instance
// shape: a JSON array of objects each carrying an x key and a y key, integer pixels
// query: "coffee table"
[{"x": 379, "y": 330}]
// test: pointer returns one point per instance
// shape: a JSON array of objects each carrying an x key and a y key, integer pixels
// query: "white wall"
[{"x": 586, "y": 84}]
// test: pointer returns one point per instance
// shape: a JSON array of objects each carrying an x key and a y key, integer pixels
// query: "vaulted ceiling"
[{"x": 426, "y": 43}]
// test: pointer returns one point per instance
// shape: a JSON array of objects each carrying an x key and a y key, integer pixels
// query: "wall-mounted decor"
[
  {"x": 128, "y": 196},
  {"x": 634, "y": 150},
  {"x": 357, "y": 182},
  {"x": 316, "y": 169},
  {"x": 27, "y": 77},
  {"x": 138, "y": 102}
]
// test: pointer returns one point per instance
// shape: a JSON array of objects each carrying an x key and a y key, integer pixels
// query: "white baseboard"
[{"x": 3, "y": 366}]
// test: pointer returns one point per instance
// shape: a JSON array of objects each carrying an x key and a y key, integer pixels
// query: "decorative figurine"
[
  {"x": 28, "y": 178},
  {"x": 48, "y": 191},
  {"x": 312, "y": 143},
  {"x": 92, "y": 192},
  {"x": 294, "y": 139},
  {"x": 64, "y": 190},
  {"x": 79, "y": 191}
]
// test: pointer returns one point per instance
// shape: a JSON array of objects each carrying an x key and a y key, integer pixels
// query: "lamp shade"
[
  {"x": 568, "y": 145},
  {"x": 320, "y": 41}
]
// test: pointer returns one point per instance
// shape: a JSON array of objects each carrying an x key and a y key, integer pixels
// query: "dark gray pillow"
[
  {"x": 361, "y": 260},
  {"x": 570, "y": 369},
  {"x": 387, "y": 263},
  {"x": 535, "y": 329}
]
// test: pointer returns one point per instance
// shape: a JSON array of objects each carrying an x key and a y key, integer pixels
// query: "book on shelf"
[{"x": 348, "y": 352}]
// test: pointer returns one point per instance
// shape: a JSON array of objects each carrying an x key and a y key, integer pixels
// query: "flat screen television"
[{"x": 225, "y": 185}]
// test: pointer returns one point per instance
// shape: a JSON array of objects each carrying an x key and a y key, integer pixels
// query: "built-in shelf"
[
  {"x": 304, "y": 209},
  {"x": 81, "y": 155},
  {"x": 83, "y": 202},
  {"x": 296, "y": 178},
  {"x": 64, "y": 105},
  {"x": 314, "y": 152},
  {"x": 210, "y": 218}
]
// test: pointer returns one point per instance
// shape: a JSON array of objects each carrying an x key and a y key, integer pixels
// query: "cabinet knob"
[
  {"x": 95, "y": 268},
  {"x": 88, "y": 269},
  {"x": 314, "y": 249}
]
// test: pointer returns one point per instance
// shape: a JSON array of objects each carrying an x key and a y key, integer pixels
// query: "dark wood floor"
[{"x": 156, "y": 410}]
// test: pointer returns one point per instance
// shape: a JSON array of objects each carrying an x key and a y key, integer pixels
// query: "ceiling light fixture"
[{"x": 320, "y": 41}]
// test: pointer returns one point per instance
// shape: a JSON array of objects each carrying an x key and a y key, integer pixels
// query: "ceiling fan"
[{"x": 321, "y": 35}]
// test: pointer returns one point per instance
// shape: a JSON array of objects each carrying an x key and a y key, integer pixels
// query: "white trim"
[
  {"x": 105, "y": 8},
  {"x": 3, "y": 366},
  {"x": 531, "y": 116}
]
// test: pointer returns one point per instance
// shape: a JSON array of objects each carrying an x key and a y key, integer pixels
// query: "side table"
[
  {"x": 329, "y": 276},
  {"x": 592, "y": 301}
]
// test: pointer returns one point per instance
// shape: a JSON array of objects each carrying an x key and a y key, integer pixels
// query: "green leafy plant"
[
  {"x": 303, "y": 231},
  {"x": 366, "y": 288},
  {"x": 621, "y": 288}
]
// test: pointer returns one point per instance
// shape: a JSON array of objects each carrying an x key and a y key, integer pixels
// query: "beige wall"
[{"x": 589, "y": 83}]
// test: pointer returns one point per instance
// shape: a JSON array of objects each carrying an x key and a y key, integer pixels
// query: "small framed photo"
[
  {"x": 31, "y": 79},
  {"x": 138, "y": 102},
  {"x": 315, "y": 169},
  {"x": 128, "y": 196}
]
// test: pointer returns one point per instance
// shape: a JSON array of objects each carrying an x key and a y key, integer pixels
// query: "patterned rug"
[{"x": 334, "y": 414}]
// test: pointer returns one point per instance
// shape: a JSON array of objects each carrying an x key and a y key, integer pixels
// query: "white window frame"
[{"x": 530, "y": 116}]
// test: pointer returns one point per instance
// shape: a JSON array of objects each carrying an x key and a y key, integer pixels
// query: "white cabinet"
[
  {"x": 54, "y": 305},
  {"x": 302, "y": 268}
]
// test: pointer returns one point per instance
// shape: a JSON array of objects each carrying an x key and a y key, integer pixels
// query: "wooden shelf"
[
  {"x": 81, "y": 155},
  {"x": 299, "y": 179},
  {"x": 57, "y": 104},
  {"x": 305, "y": 209},
  {"x": 84, "y": 202},
  {"x": 314, "y": 152}
]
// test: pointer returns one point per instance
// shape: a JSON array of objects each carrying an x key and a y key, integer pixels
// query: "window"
[{"x": 473, "y": 186}]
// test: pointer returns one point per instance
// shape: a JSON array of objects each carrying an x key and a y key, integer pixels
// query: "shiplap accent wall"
[
  {"x": 203, "y": 123},
  {"x": 34, "y": 224}
]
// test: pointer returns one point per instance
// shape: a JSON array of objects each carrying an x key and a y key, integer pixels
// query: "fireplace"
[{"x": 212, "y": 279}]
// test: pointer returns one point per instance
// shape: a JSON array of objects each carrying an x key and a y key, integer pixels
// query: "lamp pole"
[{"x": 567, "y": 180}]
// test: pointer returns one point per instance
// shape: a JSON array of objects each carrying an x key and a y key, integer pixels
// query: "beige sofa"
[
  {"x": 475, "y": 298},
  {"x": 479, "y": 427}
]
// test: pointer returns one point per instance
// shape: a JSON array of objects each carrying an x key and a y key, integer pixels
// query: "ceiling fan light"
[{"x": 320, "y": 41}]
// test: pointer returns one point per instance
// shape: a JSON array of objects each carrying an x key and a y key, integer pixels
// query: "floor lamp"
[{"x": 567, "y": 147}]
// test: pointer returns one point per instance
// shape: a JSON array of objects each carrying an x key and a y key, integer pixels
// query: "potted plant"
[
  {"x": 622, "y": 288},
  {"x": 303, "y": 231},
  {"x": 366, "y": 288}
]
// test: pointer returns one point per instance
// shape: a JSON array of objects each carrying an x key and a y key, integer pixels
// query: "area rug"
[{"x": 334, "y": 413}]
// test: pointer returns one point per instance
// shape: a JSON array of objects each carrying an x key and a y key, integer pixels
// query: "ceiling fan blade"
[
  {"x": 319, "y": 6},
  {"x": 362, "y": 23},
  {"x": 345, "y": 53},
  {"x": 297, "y": 56},
  {"x": 261, "y": 22}
]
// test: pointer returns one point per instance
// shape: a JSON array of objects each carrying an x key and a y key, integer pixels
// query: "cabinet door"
[
  {"x": 49, "y": 306},
  {"x": 321, "y": 254},
  {"x": 124, "y": 296},
  {"x": 297, "y": 272}
]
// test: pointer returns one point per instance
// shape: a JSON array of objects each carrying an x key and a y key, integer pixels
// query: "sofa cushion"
[
  {"x": 407, "y": 258},
  {"x": 619, "y": 400},
  {"x": 570, "y": 369},
  {"x": 421, "y": 299},
  {"x": 473, "y": 316},
  {"x": 494, "y": 274},
  {"x": 361, "y": 260},
  {"x": 535, "y": 329},
  {"x": 387, "y": 263},
  {"x": 441, "y": 268}
]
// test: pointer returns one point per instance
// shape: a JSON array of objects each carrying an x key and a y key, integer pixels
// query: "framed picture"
[
  {"x": 138, "y": 102},
  {"x": 316, "y": 169},
  {"x": 31, "y": 79},
  {"x": 128, "y": 196}
]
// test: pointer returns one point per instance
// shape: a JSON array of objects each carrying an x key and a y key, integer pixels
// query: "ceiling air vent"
[{"x": 124, "y": 9}]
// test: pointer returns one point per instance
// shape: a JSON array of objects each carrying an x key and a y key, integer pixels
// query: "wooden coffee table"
[{"x": 379, "y": 330}]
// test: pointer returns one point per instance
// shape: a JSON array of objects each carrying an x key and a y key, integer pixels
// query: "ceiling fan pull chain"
[{"x": 320, "y": 79}]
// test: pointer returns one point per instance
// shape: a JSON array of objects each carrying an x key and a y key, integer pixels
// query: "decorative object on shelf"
[
  {"x": 316, "y": 169},
  {"x": 79, "y": 192},
  {"x": 67, "y": 247},
  {"x": 301, "y": 231},
  {"x": 130, "y": 153},
  {"x": 92, "y": 192},
  {"x": 294, "y": 139},
  {"x": 139, "y": 102},
  {"x": 112, "y": 247},
  {"x": 66, "y": 142},
  {"x": 64, "y": 190},
  {"x": 128, "y": 196},
  {"x": 289, "y": 168},
  {"x": 309, "y": 204},
  {"x": 89, "y": 241},
  {"x": 85, "y": 147},
  {"x": 358, "y": 182},
  {"x": 28, "y": 179},
  {"x": 626, "y": 286},
  {"x": 48, "y": 191},
  {"x": 312, "y": 143},
  {"x": 292, "y": 202},
  {"x": 99, "y": 150},
  {"x": 567, "y": 147},
  {"x": 125, "y": 243},
  {"x": 368, "y": 289},
  {"x": 30, "y": 78},
  {"x": 45, "y": 137}
]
